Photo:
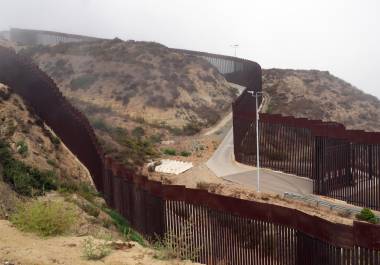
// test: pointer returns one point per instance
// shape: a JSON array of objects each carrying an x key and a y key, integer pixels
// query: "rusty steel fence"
[
  {"x": 215, "y": 229},
  {"x": 343, "y": 164}
]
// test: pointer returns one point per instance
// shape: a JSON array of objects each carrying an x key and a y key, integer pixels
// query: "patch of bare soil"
[{"x": 20, "y": 248}]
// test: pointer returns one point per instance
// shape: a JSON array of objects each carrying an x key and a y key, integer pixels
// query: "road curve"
[{"x": 223, "y": 164}]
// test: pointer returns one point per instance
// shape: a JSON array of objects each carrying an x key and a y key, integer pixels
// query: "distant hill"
[
  {"x": 137, "y": 94},
  {"x": 320, "y": 95}
]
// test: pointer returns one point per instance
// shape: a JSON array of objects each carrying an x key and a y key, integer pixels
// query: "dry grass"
[
  {"x": 319, "y": 95},
  {"x": 48, "y": 218}
]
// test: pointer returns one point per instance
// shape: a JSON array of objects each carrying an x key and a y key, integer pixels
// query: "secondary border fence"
[
  {"x": 220, "y": 230},
  {"x": 343, "y": 164}
]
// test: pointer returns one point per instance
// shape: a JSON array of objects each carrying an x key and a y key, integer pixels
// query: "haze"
[{"x": 341, "y": 36}]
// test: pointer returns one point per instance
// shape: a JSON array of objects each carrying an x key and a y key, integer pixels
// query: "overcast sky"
[{"x": 341, "y": 36}]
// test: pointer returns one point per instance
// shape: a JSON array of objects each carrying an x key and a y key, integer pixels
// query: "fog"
[{"x": 341, "y": 36}]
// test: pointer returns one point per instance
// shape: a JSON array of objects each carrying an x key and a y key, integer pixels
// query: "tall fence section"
[
  {"x": 343, "y": 164},
  {"x": 217, "y": 229}
]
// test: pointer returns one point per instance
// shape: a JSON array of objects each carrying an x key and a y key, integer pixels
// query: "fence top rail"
[{"x": 320, "y": 128}]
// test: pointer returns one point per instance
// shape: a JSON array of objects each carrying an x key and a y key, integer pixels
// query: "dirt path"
[
  {"x": 26, "y": 249},
  {"x": 226, "y": 119}
]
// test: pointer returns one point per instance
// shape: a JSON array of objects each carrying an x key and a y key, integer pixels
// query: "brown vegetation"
[
  {"x": 319, "y": 95},
  {"x": 137, "y": 94}
]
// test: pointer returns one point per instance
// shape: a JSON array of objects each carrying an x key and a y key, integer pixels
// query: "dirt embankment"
[
  {"x": 21, "y": 248},
  {"x": 32, "y": 141},
  {"x": 26, "y": 249}
]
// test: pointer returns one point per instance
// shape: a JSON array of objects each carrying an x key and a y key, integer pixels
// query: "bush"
[
  {"x": 55, "y": 141},
  {"x": 185, "y": 153},
  {"x": 191, "y": 129},
  {"x": 44, "y": 218},
  {"x": 169, "y": 151},
  {"x": 123, "y": 226},
  {"x": 52, "y": 163},
  {"x": 84, "y": 189},
  {"x": 176, "y": 245},
  {"x": 367, "y": 215},
  {"x": 138, "y": 132},
  {"x": 95, "y": 251},
  {"x": 22, "y": 148},
  {"x": 90, "y": 209},
  {"x": 156, "y": 138},
  {"x": 83, "y": 81},
  {"x": 100, "y": 125},
  {"x": 24, "y": 179}
]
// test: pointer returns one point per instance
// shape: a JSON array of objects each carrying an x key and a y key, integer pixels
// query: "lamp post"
[
  {"x": 235, "y": 46},
  {"x": 257, "y": 94}
]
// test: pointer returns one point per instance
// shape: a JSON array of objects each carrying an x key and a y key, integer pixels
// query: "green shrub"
[
  {"x": 374, "y": 220},
  {"x": 83, "y": 81},
  {"x": 55, "y": 141},
  {"x": 24, "y": 179},
  {"x": 169, "y": 151},
  {"x": 175, "y": 130},
  {"x": 100, "y": 125},
  {"x": 44, "y": 218},
  {"x": 185, "y": 153},
  {"x": 133, "y": 152},
  {"x": 191, "y": 129},
  {"x": 367, "y": 215},
  {"x": 22, "y": 148},
  {"x": 95, "y": 251},
  {"x": 123, "y": 226},
  {"x": 85, "y": 190},
  {"x": 138, "y": 132},
  {"x": 156, "y": 138},
  {"x": 51, "y": 162},
  {"x": 90, "y": 209}
]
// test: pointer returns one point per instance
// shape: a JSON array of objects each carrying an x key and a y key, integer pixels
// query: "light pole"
[
  {"x": 235, "y": 46},
  {"x": 257, "y": 94}
]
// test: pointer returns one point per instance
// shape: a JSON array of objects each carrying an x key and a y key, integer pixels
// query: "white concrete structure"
[{"x": 173, "y": 166}]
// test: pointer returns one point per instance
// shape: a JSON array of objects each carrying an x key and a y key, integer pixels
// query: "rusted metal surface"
[{"x": 220, "y": 229}]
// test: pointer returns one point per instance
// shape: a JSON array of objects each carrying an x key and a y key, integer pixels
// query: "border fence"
[
  {"x": 221, "y": 230},
  {"x": 343, "y": 164}
]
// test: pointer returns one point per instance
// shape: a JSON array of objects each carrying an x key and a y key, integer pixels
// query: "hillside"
[
  {"x": 37, "y": 152},
  {"x": 137, "y": 94},
  {"x": 137, "y": 80},
  {"x": 320, "y": 95},
  {"x": 49, "y": 211},
  {"x": 32, "y": 141}
]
